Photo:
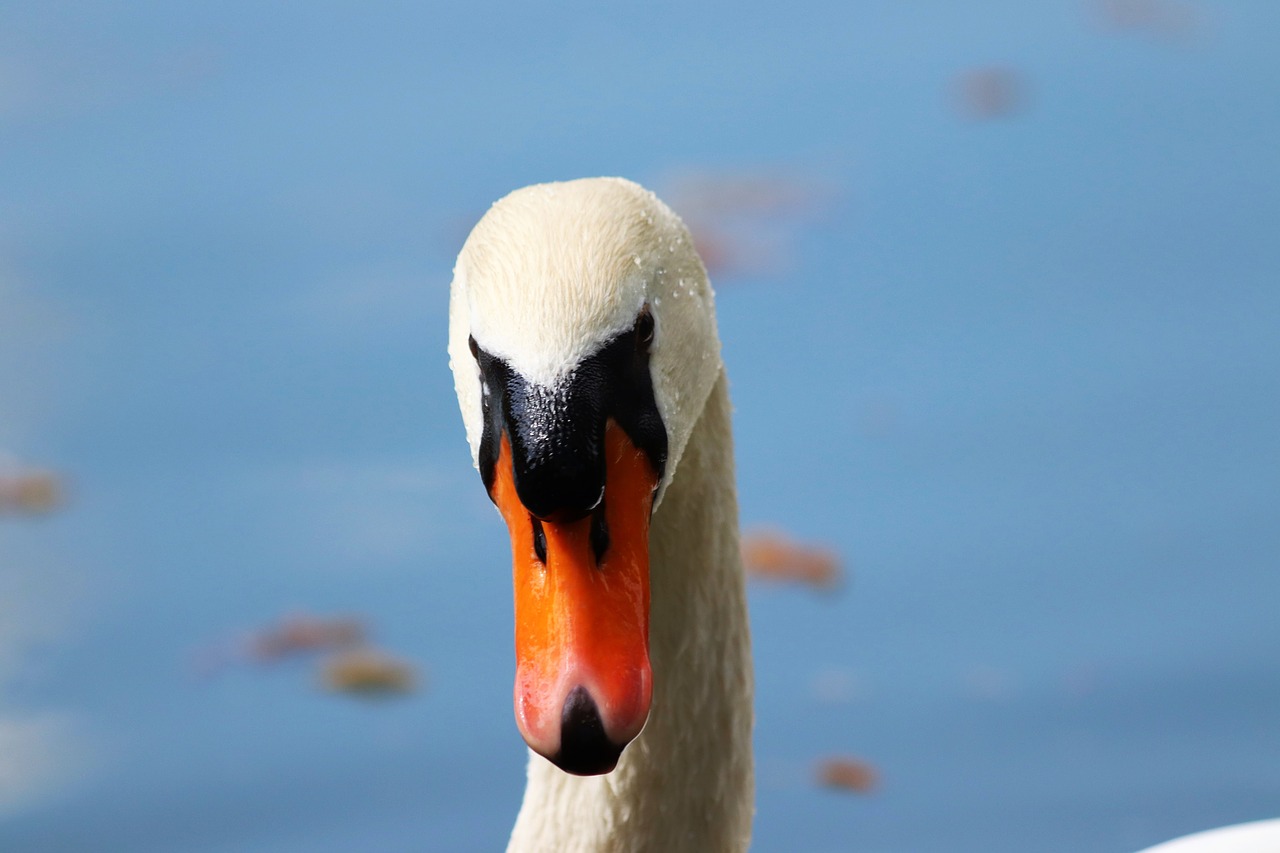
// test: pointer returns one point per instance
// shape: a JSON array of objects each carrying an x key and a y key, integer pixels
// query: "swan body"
[
  {"x": 1261, "y": 836},
  {"x": 580, "y": 319}
]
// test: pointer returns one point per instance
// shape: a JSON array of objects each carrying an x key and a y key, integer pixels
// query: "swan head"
[{"x": 583, "y": 344}]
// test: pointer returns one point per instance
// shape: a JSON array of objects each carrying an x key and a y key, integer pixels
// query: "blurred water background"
[{"x": 998, "y": 288}]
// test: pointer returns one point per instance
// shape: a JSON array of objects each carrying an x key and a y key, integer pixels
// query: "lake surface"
[{"x": 999, "y": 296}]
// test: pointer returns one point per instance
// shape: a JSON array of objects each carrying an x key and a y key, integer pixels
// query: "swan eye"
[
  {"x": 644, "y": 329},
  {"x": 475, "y": 348}
]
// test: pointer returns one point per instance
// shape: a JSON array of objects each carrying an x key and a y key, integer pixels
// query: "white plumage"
[{"x": 1261, "y": 836}]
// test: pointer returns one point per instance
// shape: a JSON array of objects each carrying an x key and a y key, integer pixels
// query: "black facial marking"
[
  {"x": 557, "y": 442},
  {"x": 494, "y": 374},
  {"x": 539, "y": 541},
  {"x": 599, "y": 534},
  {"x": 557, "y": 432}
]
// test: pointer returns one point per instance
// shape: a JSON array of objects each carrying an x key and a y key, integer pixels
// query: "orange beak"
[{"x": 583, "y": 681}]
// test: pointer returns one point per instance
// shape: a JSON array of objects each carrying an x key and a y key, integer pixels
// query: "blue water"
[{"x": 1022, "y": 373}]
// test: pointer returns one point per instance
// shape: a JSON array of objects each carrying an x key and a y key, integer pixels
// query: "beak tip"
[
  {"x": 585, "y": 748},
  {"x": 584, "y": 740}
]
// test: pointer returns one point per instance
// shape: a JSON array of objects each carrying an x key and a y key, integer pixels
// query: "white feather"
[{"x": 1261, "y": 836}]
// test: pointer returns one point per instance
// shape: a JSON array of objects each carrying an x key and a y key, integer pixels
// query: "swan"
[
  {"x": 583, "y": 345},
  {"x": 1262, "y": 836}
]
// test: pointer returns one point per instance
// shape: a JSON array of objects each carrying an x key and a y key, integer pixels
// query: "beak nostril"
[
  {"x": 539, "y": 540},
  {"x": 599, "y": 534}
]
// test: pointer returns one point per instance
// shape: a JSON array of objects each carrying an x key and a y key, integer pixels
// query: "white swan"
[
  {"x": 583, "y": 343},
  {"x": 1261, "y": 836}
]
